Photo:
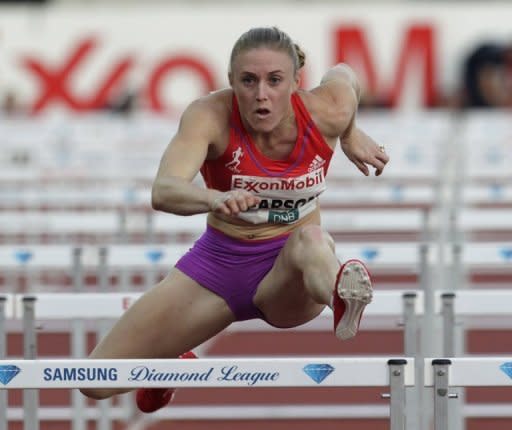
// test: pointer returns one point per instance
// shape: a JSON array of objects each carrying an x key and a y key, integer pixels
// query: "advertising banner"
[{"x": 78, "y": 58}]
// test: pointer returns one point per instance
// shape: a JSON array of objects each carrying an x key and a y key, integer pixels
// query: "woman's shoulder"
[
  {"x": 322, "y": 110},
  {"x": 212, "y": 110},
  {"x": 217, "y": 103},
  {"x": 211, "y": 114}
]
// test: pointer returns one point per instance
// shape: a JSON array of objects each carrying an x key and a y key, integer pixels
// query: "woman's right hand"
[{"x": 232, "y": 202}]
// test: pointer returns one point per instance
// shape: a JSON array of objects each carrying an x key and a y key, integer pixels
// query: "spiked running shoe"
[
  {"x": 353, "y": 291},
  {"x": 152, "y": 399}
]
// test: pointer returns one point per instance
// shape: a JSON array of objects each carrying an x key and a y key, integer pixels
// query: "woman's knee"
[
  {"x": 311, "y": 235},
  {"x": 96, "y": 394}
]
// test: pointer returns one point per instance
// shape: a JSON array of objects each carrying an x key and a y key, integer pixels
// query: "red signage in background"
[
  {"x": 55, "y": 88},
  {"x": 165, "y": 69},
  {"x": 416, "y": 52},
  {"x": 54, "y": 81},
  {"x": 417, "y": 48}
]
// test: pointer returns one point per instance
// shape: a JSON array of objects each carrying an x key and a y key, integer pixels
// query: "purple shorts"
[{"x": 231, "y": 268}]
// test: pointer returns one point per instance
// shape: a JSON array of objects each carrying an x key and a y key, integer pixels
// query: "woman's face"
[{"x": 263, "y": 80}]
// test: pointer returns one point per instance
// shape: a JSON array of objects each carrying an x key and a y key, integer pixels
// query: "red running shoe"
[
  {"x": 151, "y": 399},
  {"x": 353, "y": 291}
]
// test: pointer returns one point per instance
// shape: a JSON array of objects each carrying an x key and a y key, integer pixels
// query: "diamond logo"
[
  {"x": 7, "y": 373},
  {"x": 507, "y": 369},
  {"x": 318, "y": 372},
  {"x": 370, "y": 253},
  {"x": 154, "y": 255},
  {"x": 496, "y": 191},
  {"x": 506, "y": 253},
  {"x": 23, "y": 256},
  {"x": 397, "y": 193}
]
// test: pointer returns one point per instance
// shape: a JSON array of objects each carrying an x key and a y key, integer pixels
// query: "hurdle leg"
[
  {"x": 411, "y": 350},
  {"x": 426, "y": 335},
  {"x": 451, "y": 336},
  {"x": 441, "y": 394},
  {"x": 3, "y": 353},
  {"x": 448, "y": 314},
  {"x": 30, "y": 397},
  {"x": 78, "y": 337},
  {"x": 104, "y": 421},
  {"x": 397, "y": 388}
]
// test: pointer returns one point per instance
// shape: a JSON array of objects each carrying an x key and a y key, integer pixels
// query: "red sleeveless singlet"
[{"x": 288, "y": 188}]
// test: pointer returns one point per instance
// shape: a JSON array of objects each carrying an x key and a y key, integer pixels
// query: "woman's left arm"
[
  {"x": 363, "y": 151},
  {"x": 342, "y": 86}
]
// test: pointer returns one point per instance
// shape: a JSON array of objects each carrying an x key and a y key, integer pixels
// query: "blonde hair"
[{"x": 269, "y": 37}]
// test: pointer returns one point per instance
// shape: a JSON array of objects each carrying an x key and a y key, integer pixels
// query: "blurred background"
[{"x": 90, "y": 95}]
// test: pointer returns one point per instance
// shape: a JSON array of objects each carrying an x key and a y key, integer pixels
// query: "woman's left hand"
[{"x": 363, "y": 151}]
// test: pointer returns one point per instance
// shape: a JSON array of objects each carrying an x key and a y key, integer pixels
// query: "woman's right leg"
[{"x": 173, "y": 317}]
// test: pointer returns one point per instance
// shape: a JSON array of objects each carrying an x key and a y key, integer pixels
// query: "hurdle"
[
  {"x": 484, "y": 257},
  {"x": 470, "y": 303},
  {"x": 487, "y": 155},
  {"x": 485, "y": 224},
  {"x": 27, "y": 261},
  {"x": 445, "y": 373},
  {"x": 53, "y": 306},
  {"x": 34, "y": 308},
  {"x": 407, "y": 306},
  {"x": 496, "y": 194},
  {"x": 416, "y": 153},
  {"x": 481, "y": 258},
  {"x": 137, "y": 198},
  {"x": 394, "y": 373},
  {"x": 404, "y": 306},
  {"x": 123, "y": 225},
  {"x": 3, "y": 353},
  {"x": 404, "y": 224},
  {"x": 60, "y": 225},
  {"x": 457, "y": 308}
]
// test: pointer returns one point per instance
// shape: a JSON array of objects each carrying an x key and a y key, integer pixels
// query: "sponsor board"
[
  {"x": 71, "y": 59},
  {"x": 229, "y": 374}
]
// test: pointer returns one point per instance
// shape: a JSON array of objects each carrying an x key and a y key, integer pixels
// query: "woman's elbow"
[{"x": 156, "y": 199}]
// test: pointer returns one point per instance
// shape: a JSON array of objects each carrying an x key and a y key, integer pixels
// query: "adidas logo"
[{"x": 316, "y": 163}]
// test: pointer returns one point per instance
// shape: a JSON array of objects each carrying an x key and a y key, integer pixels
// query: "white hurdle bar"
[
  {"x": 445, "y": 373},
  {"x": 397, "y": 257},
  {"x": 404, "y": 305},
  {"x": 120, "y": 224},
  {"x": 107, "y": 305},
  {"x": 111, "y": 305},
  {"x": 469, "y": 303},
  {"x": 137, "y": 198},
  {"x": 484, "y": 257},
  {"x": 3, "y": 353},
  {"x": 402, "y": 221},
  {"x": 395, "y": 373},
  {"x": 465, "y": 306}
]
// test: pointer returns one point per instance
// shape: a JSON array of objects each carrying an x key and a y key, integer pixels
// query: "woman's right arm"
[{"x": 173, "y": 190}]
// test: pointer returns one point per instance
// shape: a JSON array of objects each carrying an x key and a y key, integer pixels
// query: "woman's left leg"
[{"x": 304, "y": 278}]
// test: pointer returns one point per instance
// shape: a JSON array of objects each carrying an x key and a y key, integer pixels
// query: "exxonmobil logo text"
[{"x": 258, "y": 184}]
